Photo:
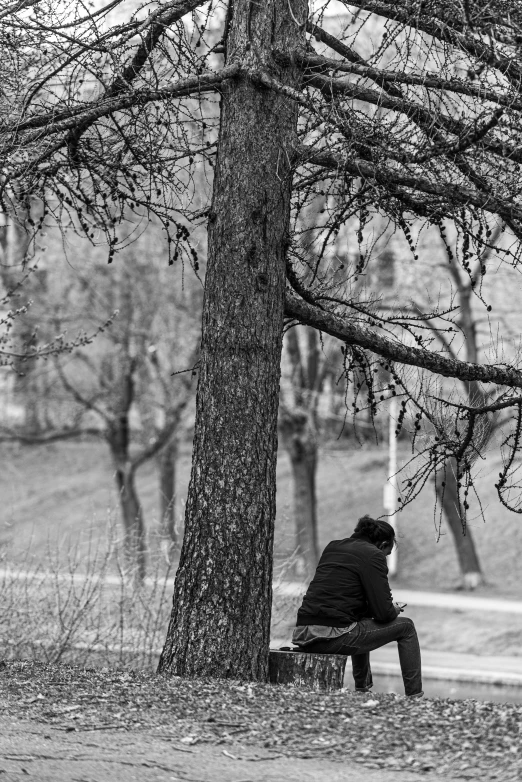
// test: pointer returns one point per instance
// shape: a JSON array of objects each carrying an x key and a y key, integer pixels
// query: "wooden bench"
[{"x": 312, "y": 671}]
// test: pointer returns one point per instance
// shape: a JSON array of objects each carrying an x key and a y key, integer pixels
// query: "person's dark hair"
[{"x": 376, "y": 530}]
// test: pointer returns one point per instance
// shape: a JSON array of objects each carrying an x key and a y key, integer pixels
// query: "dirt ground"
[
  {"x": 73, "y": 724},
  {"x": 31, "y": 749}
]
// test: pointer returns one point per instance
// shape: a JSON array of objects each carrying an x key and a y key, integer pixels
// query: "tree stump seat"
[{"x": 303, "y": 669}]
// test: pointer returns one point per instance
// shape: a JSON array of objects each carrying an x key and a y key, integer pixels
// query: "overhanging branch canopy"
[
  {"x": 353, "y": 332},
  {"x": 433, "y": 143}
]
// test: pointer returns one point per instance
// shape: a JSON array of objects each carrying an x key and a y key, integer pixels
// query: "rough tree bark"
[
  {"x": 225, "y": 571},
  {"x": 305, "y": 670}
]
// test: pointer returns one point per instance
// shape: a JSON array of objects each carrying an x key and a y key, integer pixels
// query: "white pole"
[{"x": 391, "y": 491}]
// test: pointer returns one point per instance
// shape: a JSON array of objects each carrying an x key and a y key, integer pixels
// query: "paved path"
[
  {"x": 454, "y": 667},
  {"x": 459, "y": 601},
  {"x": 414, "y": 597},
  {"x": 38, "y": 751}
]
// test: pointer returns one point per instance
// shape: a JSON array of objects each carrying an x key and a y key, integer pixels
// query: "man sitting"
[{"x": 348, "y": 607}]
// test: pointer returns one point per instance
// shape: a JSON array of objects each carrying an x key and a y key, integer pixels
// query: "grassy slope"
[
  {"x": 62, "y": 491},
  {"x": 54, "y": 496},
  {"x": 351, "y": 484}
]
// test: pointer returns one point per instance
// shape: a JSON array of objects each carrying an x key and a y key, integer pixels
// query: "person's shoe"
[
  {"x": 416, "y": 695},
  {"x": 364, "y": 689}
]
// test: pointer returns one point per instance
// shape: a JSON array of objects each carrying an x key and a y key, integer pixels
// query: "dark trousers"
[{"x": 368, "y": 635}]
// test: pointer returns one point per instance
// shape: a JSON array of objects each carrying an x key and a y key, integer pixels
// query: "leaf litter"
[{"x": 461, "y": 739}]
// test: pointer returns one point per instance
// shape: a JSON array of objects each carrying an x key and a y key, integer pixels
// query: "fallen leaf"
[
  {"x": 38, "y": 697},
  {"x": 189, "y": 739}
]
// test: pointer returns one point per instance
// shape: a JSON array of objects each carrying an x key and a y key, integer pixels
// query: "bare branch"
[
  {"x": 163, "y": 437},
  {"x": 48, "y": 125},
  {"x": 352, "y": 333},
  {"x": 350, "y": 54},
  {"x": 466, "y": 41},
  {"x": 156, "y": 24},
  {"x": 456, "y": 194},
  {"x": 424, "y": 118},
  {"x": 427, "y": 80},
  {"x": 84, "y": 401},
  {"x": 13, "y": 435},
  {"x": 16, "y": 7}
]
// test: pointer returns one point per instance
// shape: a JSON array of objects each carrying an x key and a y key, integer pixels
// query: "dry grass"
[
  {"x": 80, "y": 606},
  {"x": 85, "y": 610}
]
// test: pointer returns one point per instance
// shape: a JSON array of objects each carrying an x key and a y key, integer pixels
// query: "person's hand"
[{"x": 400, "y": 607}]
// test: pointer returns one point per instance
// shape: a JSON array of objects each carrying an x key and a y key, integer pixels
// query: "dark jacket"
[{"x": 350, "y": 583}]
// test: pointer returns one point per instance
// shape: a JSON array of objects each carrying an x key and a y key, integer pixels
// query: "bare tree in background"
[
  {"x": 465, "y": 281},
  {"x": 131, "y": 375},
  {"x": 23, "y": 341},
  {"x": 308, "y": 366},
  {"x": 122, "y": 389},
  {"x": 113, "y": 118},
  {"x": 29, "y": 329}
]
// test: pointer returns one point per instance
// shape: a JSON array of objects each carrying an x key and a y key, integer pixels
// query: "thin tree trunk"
[
  {"x": 464, "y": 544},
  {"x": 133, "y": 521},
  {"x": 27, "y": 386},
  {"x": 467, "y": 555},
  {"x": 304, "y": 469},
  {"x": 301, "y": 445},
  {"x": 118, "y": 439},
  {"x": 298, "y": 435},
  {"x": 220, "y": 622},
  {"x": 167, "y": 459}
]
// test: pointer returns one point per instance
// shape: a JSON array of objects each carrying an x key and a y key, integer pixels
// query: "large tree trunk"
[
  {"x": 464, "y": 544},
  {"x": 220, "y": 622},
  {"x": 300, "y": 443}
]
